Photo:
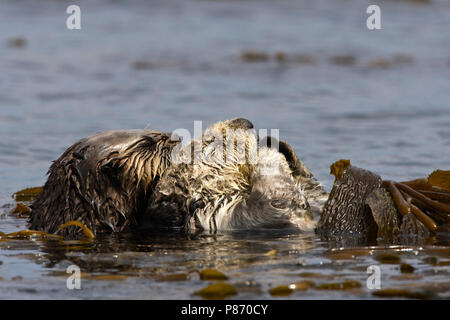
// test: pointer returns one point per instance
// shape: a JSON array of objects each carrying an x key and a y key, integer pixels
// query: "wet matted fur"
[
  {"x": 104, "y": 181},
  {"x": 271, "y": 188}
]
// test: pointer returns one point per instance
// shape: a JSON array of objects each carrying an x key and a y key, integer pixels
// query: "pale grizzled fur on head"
[{"x": 232, "y": 186}]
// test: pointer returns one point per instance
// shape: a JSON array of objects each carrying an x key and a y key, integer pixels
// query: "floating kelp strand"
[
  {"x": 422, "y": 217},
  {"x": 387, "y": 258},
  {"x": 17, "y": 42},
  {"x": 435, "y": 204},
  {"x": 315, "y": 275},
  {"x": 27, "y": 234},
  {"x": 406, "y": 268},
  {"x": 254, "y": 56},
  {"x": 173, "y": 277},
  {"x": 402, "y": 293},
  {"x": 440, "y": 178},
  {"x": 86, "y": 231},
  {"x": 407, "y": 277},
  {"x": 212, "y": 274},
  {"x": 28, "y": 194},
  {"x": 439, "y": 216},
  {"x": 341, "y": 256},
  {"x": 284, "y": 290},
  {"x": 347, "y": 285},
  {"x": 420, "y": 183},
  {"x": 406, "y": 208},
  {"x": 219, "y": 290},
  {"x": 86, "y": 275},
  {"x": 400, "y": 202},
  {"x": 435, "y": 195},
  {"x": 21, "y": 209},
  {"x": 115, "y": 277}
]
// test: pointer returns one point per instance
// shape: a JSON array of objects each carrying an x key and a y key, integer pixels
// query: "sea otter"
[
  {"x": 104, "y": 181},
  {"x": 234, "y": 182},
  {"x": 119, "y": 180}
]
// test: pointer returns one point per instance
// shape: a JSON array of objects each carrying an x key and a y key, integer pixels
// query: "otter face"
[{"x": 231, "y": 184}]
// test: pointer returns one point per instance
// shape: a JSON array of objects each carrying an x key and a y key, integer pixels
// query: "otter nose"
[{"x": 242, "y": 123}]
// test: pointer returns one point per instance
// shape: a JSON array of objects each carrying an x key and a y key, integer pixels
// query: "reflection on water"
[
  {"x": 167, "y": 266},
  {"x": 312, "y": 69}
]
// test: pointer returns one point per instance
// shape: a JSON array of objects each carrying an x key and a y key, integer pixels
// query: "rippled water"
[{"x": 380, "y": 98}]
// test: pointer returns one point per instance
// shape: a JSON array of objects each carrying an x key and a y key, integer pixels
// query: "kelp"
[
  {"x": 346, "y": 285},
  {"x": 315, "y": 275},
  {"x": 219, "y": 290},
  {"x": 17, "y": 42},
  {"x": 402, "y": 293},
  {"x": 285, "y": 290},
  {"x": 406, "y": 268},
  {"x": 109, "y": 277},
  {"x": 361, "y": 203},
  {"x": 86, "y": 231},
  {"x": 173, "y": 277},
  {"x": 28, "y": 194},
  {"x": 36, "y": 234},
  {"x": 338, "y": 168},
  {"x": 254, "y": 56},
  {"x": 30, "y": 234},
  {"x": 345, "y": 211},
  {"x": 407, "y": 277},
  {"x": 212, "y": 274},
  {"x": 387, "y": 258},
  {"x": 21, "y": 209},
  {"x": 440, "y": 179}
]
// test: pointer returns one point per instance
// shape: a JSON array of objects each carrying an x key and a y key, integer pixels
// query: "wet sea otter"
[
  {"x": 103, "y": 181},
  {"x": 120, "y": 180},
  {"x": 234, "y": 182}
]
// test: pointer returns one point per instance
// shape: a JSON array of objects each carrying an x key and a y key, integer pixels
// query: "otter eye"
[
  {"x": 196, "y": 204},
  {"x": 279, "y": 204},
  {"x": 306, "y": 205}
]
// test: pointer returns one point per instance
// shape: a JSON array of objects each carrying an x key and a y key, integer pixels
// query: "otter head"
[{"x": 231, "y": 183}]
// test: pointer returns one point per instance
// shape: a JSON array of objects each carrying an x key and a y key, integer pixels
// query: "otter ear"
[{"x": 297, "y": 166}]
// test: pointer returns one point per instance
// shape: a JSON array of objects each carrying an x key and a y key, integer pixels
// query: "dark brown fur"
[{"x": 104, "y": 181}]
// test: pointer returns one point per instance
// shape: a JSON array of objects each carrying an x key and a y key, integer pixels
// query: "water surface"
[{"x": 380, "y": 98}]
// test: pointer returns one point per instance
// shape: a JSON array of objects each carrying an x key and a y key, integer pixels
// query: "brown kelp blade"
[
  {"x": 345, "y": 211},
  {"x": 338, "y": 168},
  {"x": 21, "y": 209},
  {"x": 27, "y": 234},
  {"x": 440, "y": 179},
  {"x": 437, "y": 181},
  {"x": 28, "y": 194},
  {"x": 86, "y": 231},
  {"x": 419, "y": 184},
  {"x": 439, "y": 196},
  {"x": 435, "y": 204}
]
